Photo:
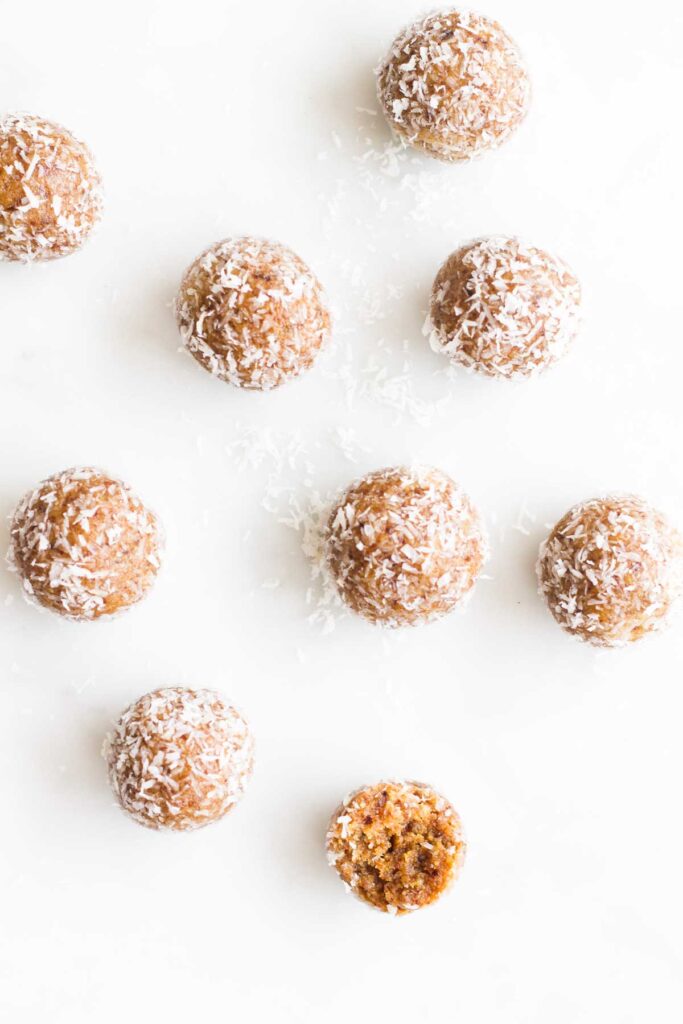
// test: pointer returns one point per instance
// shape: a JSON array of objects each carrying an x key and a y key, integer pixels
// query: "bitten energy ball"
[
  {"x": 611, "y": 570},
  {"x": 454, "y": 84},
  {"x": 503, "y": 308},
  {"x": 404, "y": 546},
  {"x": 252, "y": 313},
  {"x": 84, "y": 545},
  {"x": 397, "y": 845},
  {"x": 50, "y": 191},
  {"x": 180, "y": 759}
]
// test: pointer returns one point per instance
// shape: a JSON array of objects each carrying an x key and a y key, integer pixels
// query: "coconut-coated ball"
[
  {"x": 504, "y": 308},
  {"x": 84, "y": 545},
  {"x": 252, "y": 313},
  {"x": 50, "y": 190},
  {"x": 404, "y": 546},
  {"x": 454, "y": 84},
  {"x": 611, "y": 570},
  {"x": 398, "y": 846},
  {"x": 179, "y": 758}
]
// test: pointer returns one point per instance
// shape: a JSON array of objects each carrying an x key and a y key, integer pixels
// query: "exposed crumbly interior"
[
  {"x": 404, "y": 546},
  {"x": 397, "y": 845},
  {"x": 454, "y": 84},
  {"x": 611, "y": 569},
  {"x": 50, "y": 190},
  {"x": 179, "y": 758},
  {"x": 504, "y": 308},
  {"x": 84, "y": 545},
  {"x": 252, "y": 313}
]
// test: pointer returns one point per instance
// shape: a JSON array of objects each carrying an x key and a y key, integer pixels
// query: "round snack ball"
[
  {"x": 252, "y": 313},
  {"x": 454, "y": 84},
  {"x": 84, "y": 545},
  {"x": 397, "y": 845},
  {"x": 503, "y": 308},
  {"x": 404, "y": 546},
  {"x": 611, "y": 569},
  {"x": 179, "y": 759},
  {"x": 50, "y": 190}
]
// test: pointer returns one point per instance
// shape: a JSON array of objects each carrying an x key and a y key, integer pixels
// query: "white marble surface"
[{"x": 211, "y": 119}]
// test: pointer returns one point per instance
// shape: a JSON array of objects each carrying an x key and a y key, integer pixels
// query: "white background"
[{"x": 209, "y": 119}]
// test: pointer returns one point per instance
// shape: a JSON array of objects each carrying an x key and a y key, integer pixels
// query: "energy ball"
[
  {"x": 50, "y": 190},
  {"x": 611, "y": 570},
  {"x": 179, "y": 759},
  {"x": 504, "y": 308},
  {"x": 252, "y": 313},
  {"x": 404, "y": 546},
  {"x": 397, "y": 845},
  {"x": 454, "y": 84},
  {"x": 84, "y": 545}
]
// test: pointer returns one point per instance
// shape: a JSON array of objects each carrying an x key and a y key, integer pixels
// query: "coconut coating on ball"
[
  {"x": 84, "y": 545},
  {"x": 504, "y": 308},
  {"x": 611, "y": 570},
  {"x": 50, "y": 190},
  {"x": 397, "y": 845},
  {"x": 454, "y": 84},
  {"x": 252, "y": 313},
  {"x": 179, "y": 758},
  {"x": 404, "y": 546}
]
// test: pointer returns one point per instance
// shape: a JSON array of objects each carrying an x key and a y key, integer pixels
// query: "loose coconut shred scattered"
[
  {"x": 50, "y": 190},
  {"x": 611, "y": 570},
  {"x": 397, "y": 845},
  {"x": 454, "y": 84},
  {"x": 252, "y": 313},
  {"x": 404, "y": 546},
  {"x": 84, "y": 545},
  {"x": 504, "y": 308},
  {"x": 179, "y": 759}
]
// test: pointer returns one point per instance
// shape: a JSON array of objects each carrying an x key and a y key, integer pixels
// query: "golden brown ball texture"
[
  {"x": 404, "y": 546},
  {"x": 454, "y": 84},
  {"x": 611, "y": 570},
  {"x": 84, "y": 545},
  {"x": 50, "y": 190},
  {"x": 179, "y": 759},
  {"x": 252, "y": 313},
  {"x": 397, "y": 845},
  {"x": 504, "y": 308}
]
